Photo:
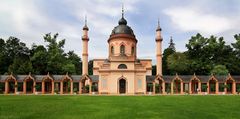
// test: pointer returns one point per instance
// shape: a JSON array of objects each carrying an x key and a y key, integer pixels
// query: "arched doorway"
[
  {"x": 29, "y": 85},
  {"x": 194, "y": 86},
  {"x": 48, "y": 86},
  {"x": 229, "y": 86},
  {"x": 85, "y": 85},
  {"x": 177, "y": 86},
  {"x": 212, "y": 86},
  {"x": 122, "y": 86},
  {"x": 67, "y": 86},
  {"x": 158, "y": 86},
  {"x": 12, "y": 85}
]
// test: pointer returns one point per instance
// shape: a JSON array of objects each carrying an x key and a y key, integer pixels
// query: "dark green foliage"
[
  {"x": 17, "y": 58},
  {"x": 76, "y": 61},
  {"x": 166, "y": 53},
  {"x": 237, "y": 45},
  {"x": 21, "y": 66},
  {"x": 90, "y": 67},
  {"x": 154, "y": 70},
  {"x": 206, "y": 53},
  {"x": 39, "y": 59},
  {"x": 3, "y": 57},
  {"x": 219, "y": 70},
  {"x": 178, "y": 63},
  {"x": 55, "y": 54}
]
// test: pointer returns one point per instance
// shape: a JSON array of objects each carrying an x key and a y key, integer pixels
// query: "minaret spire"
[
  {"x": 158, "y": 26},
  {"x": 85, "y": 24},
  {"x": 85, "y": 20}
]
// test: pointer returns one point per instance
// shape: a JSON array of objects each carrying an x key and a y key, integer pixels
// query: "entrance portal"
[
  {"x": 194, "y": 86},
  {"x": 122, "y": 86}
]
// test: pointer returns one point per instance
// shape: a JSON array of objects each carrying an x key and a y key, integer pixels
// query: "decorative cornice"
[
  {"x": 84, "y": 54},
  {"x": 85, "y": 39},
  {"x": 159, "y": 39}
]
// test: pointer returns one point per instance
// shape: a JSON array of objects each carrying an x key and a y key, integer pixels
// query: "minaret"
[
  {"x": 159, "y": 49},
  {"x": 85, "y": 40}
]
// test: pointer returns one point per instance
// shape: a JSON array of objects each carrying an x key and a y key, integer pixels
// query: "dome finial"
[
  {"x": 122, "y": 10},
  {"x": 122, "y": 21}
]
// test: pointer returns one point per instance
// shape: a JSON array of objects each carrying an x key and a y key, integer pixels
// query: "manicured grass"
[{"x": 119, "y": 107}]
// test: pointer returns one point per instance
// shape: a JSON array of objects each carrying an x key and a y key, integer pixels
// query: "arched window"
[
  {"x": 122, "y": 66},
  {"x": 133, "y": 50},
  {"x": 112, "y": 50},
  {"x": 122, "y": 49}
]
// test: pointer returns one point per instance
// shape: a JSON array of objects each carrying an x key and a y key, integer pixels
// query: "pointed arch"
[
  {"x": 122, "y": 48},
  {"x": 48, "y": 84},
  {"x": 112, "y": 50},
  {"x": 230, "y": 85},
  {"x": 85, "y": 85},
  {"x": 177, "y": 85},
  {"x": 194, "y": 85},
  {"x": 212, "y": 85},
  {"x": 11, "y": 77},
  {"x": 66, "y": 85},
  {"x": 159, "y": 85},
  {"x": 29, "y": 84},
  {"x": 10, "y": 84}
]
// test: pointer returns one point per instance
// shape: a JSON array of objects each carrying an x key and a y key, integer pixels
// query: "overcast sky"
[{"x": 29, "y": 20}]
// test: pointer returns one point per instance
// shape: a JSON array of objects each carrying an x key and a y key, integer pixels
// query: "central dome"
[{"x": 122, "y": 28}]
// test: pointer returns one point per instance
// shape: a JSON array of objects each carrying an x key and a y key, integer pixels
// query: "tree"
[
  {"x": 76, "y": 61},
  {"x": 219, "y": 70},
  {"x": 178, "y": 63},
  {"x": 166, "y": 53},
  {"x": 198, "y": 61},
  {"x": 69, "y": 67},
  {"x": 154, "y": 70},
  {"x": 3, "y": 57},
  {"x": 39, "y": 59},
  {"x": 21, "y": 66},
  {"x": 237, "y": 45},
  {"x": 234, "y": 61},
  {"x": 17, "y": 54},
  {"x": 206, "y": 53},
  {"x": 55, "y": 54},
  {"x": 90, "y": 67},
  {"x": 15, "y": 48}
]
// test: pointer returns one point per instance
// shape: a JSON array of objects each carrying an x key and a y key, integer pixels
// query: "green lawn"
[{"x": 119, "y": 107}]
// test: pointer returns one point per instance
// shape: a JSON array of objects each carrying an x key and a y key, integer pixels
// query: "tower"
[
  {"x": 159, "y": 49},
  {"x": 171, "y": 44},
  {"x": 85, "y": 40}
]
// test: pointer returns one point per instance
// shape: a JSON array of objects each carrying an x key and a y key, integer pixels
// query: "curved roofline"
[{"x": 122, "y": 35}]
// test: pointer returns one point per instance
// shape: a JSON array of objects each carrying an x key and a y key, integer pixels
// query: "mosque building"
[{"x": 120, "y": 73}]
